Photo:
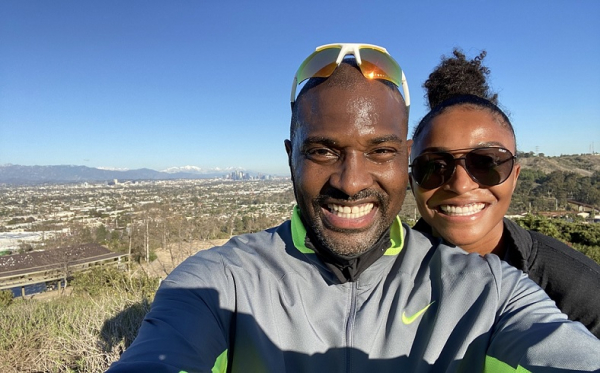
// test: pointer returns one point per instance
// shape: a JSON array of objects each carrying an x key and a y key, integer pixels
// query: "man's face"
[{"x": 349, "y": 163}]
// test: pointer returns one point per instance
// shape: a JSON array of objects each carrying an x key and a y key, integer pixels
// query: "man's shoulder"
[
  {"x": 269, "y": 250},
  {"x": 461, "y": 275},
  {"x": 449, "y": 259},
  {"x": 241, "y": 255},
  {"x": 252, "y": 243}
]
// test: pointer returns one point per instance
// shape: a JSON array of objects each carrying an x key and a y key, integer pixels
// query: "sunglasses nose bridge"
[
  {"x": 461, "y": 181},
  {"x": 349, "y": 50},
  {"x": 462, "y": 161}
]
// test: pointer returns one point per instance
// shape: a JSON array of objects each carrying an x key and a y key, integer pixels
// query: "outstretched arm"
[
  {"x": 186, "y": 329},
  {"x": 532, "y": 334}
]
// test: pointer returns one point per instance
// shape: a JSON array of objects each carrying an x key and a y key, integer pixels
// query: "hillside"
[{"x": 584, "y": 164}]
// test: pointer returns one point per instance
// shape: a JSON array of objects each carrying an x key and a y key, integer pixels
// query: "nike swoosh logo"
[{"x": 410, "y": 319}]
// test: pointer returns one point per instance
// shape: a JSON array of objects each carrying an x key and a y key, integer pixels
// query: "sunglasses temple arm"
[
  {"x": 406, "y": 93},
  {"x": 294, "y": 85}
]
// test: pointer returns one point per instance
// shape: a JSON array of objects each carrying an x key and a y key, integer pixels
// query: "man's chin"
[{"x": 348, "y": 243}]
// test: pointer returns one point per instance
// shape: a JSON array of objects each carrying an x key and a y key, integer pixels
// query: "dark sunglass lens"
[
  {"x": 489, "y": 166},
  {"x": 433, "y": 169}
]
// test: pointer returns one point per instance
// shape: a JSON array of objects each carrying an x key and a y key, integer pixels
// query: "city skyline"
[{"x": 154, "y": 84}]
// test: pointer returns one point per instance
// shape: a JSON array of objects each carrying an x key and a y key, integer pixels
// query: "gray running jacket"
[{"x": 264, "y": 302}]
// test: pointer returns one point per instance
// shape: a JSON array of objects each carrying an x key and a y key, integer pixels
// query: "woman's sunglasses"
[
  {"x": 374, "y": 62},
  {"x": 486, "y": 166}
]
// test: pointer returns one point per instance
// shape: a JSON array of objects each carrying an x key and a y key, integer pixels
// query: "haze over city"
[{"x": 156, "y": 84}]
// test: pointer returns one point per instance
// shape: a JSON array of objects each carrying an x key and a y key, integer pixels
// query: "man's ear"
[
  {"x": 288, "y": 150},
  {"x": 409, "y": 145}
]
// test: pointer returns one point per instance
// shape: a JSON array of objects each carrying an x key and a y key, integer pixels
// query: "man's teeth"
[
  {"x": 348, "y": 212},
  {"x": 462, "y": 210}
]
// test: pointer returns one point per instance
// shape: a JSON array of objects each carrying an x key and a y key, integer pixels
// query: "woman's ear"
[{"x": 516, "y": 172}]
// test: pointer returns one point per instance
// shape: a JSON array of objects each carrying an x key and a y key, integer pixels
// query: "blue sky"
[{"x": 158, "y": 84}]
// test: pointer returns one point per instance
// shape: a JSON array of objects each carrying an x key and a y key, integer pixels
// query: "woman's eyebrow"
[{"x": 432, "y": 149}]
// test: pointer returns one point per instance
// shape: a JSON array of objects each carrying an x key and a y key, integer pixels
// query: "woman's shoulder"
[
  {"x": 552, "y": 249},
  {"x": 539, "y": 249}
]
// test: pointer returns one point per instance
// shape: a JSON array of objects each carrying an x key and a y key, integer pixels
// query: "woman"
[{"x": 463, "y": 174}]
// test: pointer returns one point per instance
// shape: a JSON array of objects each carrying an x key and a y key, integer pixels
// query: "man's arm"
[
  {"x": 187, "y": 328},
  {"x": 532, "y": 334},
  {"x": 570, "y": 278}
]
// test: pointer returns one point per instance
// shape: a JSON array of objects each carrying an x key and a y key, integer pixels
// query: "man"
[{"x": 344, "y": 286}]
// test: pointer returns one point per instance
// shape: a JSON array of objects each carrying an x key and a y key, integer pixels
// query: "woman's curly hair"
[
  {"x": 457, "y": 76},
  {"x": 459, "y": 81}
]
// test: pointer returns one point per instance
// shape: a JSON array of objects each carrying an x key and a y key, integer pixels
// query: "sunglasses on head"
[
  {"x": 374, "y": 62},
  {"x": 487, "y": 166}
]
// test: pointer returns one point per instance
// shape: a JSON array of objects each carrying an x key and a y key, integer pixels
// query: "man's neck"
[{"x": 346, "y": 268}]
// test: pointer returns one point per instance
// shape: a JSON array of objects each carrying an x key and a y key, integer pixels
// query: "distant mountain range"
[
  {"x": 582, "y": 164},
  {"x": 15, "y": 174}
]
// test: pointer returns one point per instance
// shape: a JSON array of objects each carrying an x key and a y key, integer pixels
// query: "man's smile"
[
  {"x": 339, "y": 217},
  {"x": 350, "y": 212}
]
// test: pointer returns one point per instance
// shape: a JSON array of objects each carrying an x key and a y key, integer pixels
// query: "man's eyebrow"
[
  {"x": 388, "y": 138},
  {"x": 319, "y": 140},
  {"x": 327, "y": 141}
]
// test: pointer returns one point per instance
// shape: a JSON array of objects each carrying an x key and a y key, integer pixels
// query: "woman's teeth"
[{"x": 462, "y": 210}]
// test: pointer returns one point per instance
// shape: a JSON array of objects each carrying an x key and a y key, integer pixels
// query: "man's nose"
[{"x": 352, "y": 174}]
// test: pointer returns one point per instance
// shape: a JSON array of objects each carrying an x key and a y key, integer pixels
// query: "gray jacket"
[{"x": 264, "y": 302}]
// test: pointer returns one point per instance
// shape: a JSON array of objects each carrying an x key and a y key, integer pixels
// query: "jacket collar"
[
  {"x": 299, "y": 235},
  {"x": 346, "y": 268}
]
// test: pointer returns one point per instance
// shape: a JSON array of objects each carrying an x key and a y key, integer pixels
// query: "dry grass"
[
  {"x": 76, "y": 332},
  {"x": 69, "y": 333}
]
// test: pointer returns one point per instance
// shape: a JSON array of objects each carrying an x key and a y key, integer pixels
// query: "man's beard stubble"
[{"x": 352, "y": 245}]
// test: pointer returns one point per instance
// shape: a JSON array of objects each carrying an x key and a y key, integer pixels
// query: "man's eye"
[
  {"x": 321, "y": 154},
  {"x": 382, "y": 154}
]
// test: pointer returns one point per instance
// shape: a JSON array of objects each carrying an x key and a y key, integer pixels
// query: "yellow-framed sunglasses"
[{"x": 374, "y": 62}]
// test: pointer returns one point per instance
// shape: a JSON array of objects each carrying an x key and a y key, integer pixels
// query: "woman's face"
[{"x": 462, "y": 211}]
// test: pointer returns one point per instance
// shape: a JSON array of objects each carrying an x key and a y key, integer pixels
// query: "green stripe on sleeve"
[
  {"x": 220, "y": 364},
  {"x": 493, "y": 365}
]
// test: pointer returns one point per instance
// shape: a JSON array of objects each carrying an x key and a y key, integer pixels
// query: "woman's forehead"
[{"x": 460, "y": 128}]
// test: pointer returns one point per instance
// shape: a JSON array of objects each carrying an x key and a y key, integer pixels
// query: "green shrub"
[
  {"x": 591, "y": 251},
  {"x": 102, "y": 279},
  {"x": 6, "y": 298},
  {"x": 582, "y": 236}
]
